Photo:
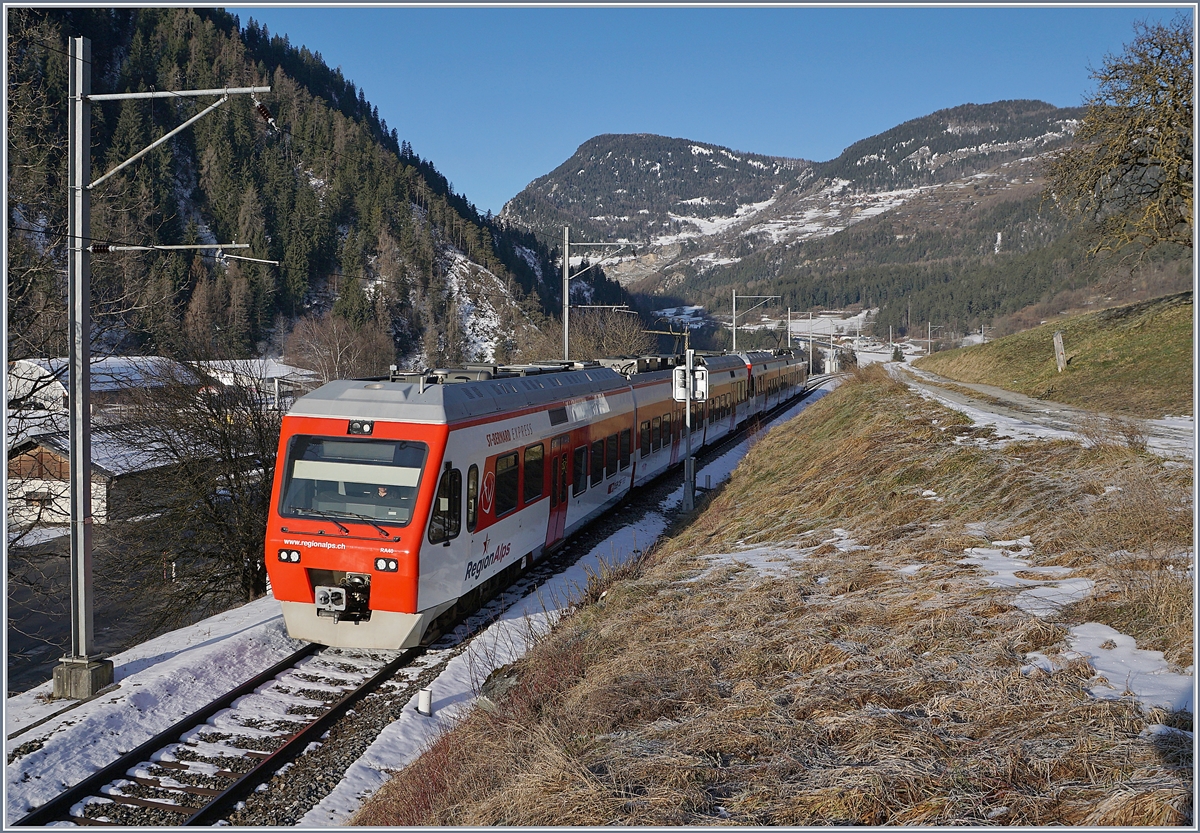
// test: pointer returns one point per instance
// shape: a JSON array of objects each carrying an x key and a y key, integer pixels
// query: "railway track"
[
  {"x": 209, "y": 766},
  {"x": 196, "y": 771}
]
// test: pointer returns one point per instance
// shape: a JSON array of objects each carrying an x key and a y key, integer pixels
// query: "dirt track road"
[{"x": 1022, "y": 417}]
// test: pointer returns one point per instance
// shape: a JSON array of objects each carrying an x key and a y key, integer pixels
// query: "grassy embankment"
[
  {"x": 688, "y": 689},
  {"x": 1134, "y": 360}
]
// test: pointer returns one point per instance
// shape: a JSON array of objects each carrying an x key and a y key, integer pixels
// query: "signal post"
[{"x": 690, "y": 384}]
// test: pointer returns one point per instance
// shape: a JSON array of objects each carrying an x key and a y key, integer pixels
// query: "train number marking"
[{"x": 487, "y": 492}]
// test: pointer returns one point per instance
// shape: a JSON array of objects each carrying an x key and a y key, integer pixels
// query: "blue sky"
[{"x": 496, "y": 97}]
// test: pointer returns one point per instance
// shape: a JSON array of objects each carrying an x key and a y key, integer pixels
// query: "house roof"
[
  {"x": 112, "y": 454},
  {"x": 257, "y": 370},
  {"x": 108, "y": 374}
]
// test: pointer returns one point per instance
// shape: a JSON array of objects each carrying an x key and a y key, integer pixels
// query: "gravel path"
[{"x": 1011, "y": 412}]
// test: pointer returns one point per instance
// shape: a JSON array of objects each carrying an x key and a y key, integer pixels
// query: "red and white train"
[{"x": 397, "y": 502}]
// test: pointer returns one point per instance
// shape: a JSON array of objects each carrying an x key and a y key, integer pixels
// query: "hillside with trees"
[
  {"x": 632, "y": 186},
  {"x": 364, "y": 228}
]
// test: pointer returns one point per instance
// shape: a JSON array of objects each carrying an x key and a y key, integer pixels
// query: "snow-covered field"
[{"x": 164, "y": 679}]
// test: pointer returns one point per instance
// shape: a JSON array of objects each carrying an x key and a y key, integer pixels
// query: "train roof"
[
  {"x": 453, "y": 395},
  {"x": 449, "y": 403}
]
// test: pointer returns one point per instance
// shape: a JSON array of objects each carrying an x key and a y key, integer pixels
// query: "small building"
[
  {"x": 43, "y": 384},
  {"x": 280, "y": 384},
  {"x": 39, "y": 479}
]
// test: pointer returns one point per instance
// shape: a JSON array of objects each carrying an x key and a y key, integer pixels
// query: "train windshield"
[{"x": 368, "y": 479}]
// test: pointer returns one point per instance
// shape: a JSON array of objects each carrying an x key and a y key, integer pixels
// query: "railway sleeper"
[
  {"x": 158, "y": 785},
  {"x": 220, "y": 773},
  {"x": 134, "y": 801}
]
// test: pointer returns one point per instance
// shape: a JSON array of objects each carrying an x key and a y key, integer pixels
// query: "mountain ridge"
[{"x": 951, "y": 199}]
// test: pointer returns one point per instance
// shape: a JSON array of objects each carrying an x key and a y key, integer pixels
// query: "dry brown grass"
[{"x": 846, "y": 692}]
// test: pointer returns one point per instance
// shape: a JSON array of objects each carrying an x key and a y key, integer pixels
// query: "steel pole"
[
  {"x": 734, "y": 321},
  {"x": 79, "y": 323},
  {"x": 689, "y": 466},
  {"x": 80, "y": 674},
  {"x": 812, "y": 357},
  {"x": 566, "y": 292}
]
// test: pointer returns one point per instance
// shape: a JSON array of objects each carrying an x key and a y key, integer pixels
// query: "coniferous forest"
[{"x": 362, "y": 226}]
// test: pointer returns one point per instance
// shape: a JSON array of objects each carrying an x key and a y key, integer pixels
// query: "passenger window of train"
[
  {"x": 507, "y": 474},
  {"x": 626, "y": 447},
  {"x": 597, "y": 461},
  {"x": 656, "y": 434},
  {"x": 610, "y": 455},
  {"x": 666, "y": 430},
  {"x": 446, "y": 518},
  {"x": 645, "y": 444},
  {"x": 472, "y": 497},
  {"x": 579, "y": 473},
  {"x": 535, "y": 472}
]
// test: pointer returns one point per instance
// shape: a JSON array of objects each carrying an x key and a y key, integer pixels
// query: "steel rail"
[
  {"x": 221, "y": 805},
  {"x": 59, "y": 807}
]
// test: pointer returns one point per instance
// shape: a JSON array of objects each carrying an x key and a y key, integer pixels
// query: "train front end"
[{"x": 351, "y": 497}]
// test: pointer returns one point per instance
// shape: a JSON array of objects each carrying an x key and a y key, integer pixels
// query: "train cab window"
[
  {"x": 472, "y": 497},
  {"x": 579, "y": 472},
  {"x": 645, "y": 438},
  {"x": 535, "y": 472},
  {"x": 626, "y": 448},
  {"x": 446, "y": 518},
  {"x": 507, "y": 479},
  {"x": 597, "y": 461},
  {"x": 352, "y": 478},
  {"x": 655, "y": 433},
  {"x": 610, "y": 455}
]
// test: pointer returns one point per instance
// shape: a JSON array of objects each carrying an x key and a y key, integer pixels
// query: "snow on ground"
[
  {"x": 1122, "y": 668},
  {"x": 159, "y": 682}
]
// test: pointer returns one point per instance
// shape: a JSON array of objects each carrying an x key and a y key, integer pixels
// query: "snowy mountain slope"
[{"x": 694, "y": 207}]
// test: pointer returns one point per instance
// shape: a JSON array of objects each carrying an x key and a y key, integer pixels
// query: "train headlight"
[
  {"x": 387, "y": 565},
  {"x": 361, "y": 426},
  {"x": 289, "y": 556}
]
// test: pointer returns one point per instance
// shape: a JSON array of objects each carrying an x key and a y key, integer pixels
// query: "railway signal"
[{"x": 697, "y": 391}]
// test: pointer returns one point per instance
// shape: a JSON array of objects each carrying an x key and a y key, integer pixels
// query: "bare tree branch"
[{"x": 1130, "y": 169}]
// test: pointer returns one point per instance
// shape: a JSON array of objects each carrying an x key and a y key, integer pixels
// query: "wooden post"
[{"x": 1060, "y": 355}]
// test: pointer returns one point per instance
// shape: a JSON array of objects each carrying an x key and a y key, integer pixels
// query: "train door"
[{"x": 560, "y": 449}]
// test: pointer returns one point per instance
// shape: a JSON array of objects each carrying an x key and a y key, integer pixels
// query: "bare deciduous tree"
[
  {"x": 1130, "y": 168},
  {"x": 594, "y": 334},
  {"x": 333, "y": 348},
  {"x": 202, "y": 506}
]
